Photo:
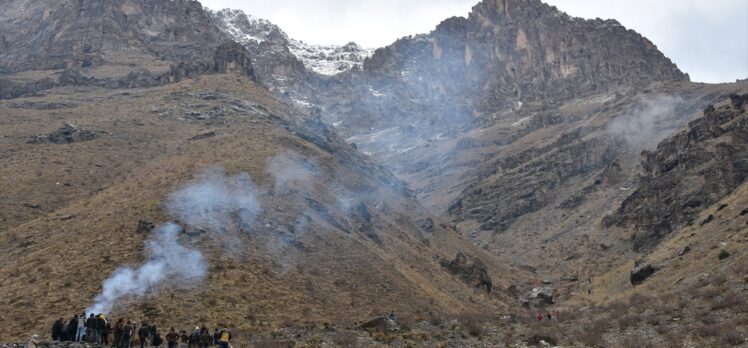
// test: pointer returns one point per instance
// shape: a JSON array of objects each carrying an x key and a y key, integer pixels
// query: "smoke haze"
[
  {"x": 650, "y": 122},
  {"x": 213, "y": 201}
]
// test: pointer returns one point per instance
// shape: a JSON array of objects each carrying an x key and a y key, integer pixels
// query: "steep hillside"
[{"x": 336, "y": 236}]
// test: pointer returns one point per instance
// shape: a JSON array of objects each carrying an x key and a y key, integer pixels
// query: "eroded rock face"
[
  {"x": 471, "y": 270},
  {"x": 90, "y": 33},
  {"x": 686, "y": 174},
  {"x": 509, "y": 187},
  {"x": 232, "y": 57}
]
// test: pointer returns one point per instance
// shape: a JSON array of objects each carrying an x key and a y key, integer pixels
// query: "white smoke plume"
[
  {"x": 168, "y": 259},
  {"x": 291, "y": 169},
  {"x": 650, "y": 122},
  {"x": 209, "y": 204},
  {"x": 213, "y": 201}
]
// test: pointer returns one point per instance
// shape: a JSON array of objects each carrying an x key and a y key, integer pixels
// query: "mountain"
[
  {"x": 169, "y": 163},
  {"x": 269, "y": 238}
]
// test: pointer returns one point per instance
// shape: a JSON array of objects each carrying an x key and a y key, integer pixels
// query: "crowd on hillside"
[{"x": 126, "y": 334}]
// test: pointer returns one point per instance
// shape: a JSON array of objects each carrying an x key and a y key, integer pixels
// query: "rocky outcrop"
[
  {"x": 471, "y": 270},
  {"x": 688, "y": 172},
  {"x": 69, "y": 133},
  {"x": 232, "y": 57},
  {"x": 641, "y": 273}
]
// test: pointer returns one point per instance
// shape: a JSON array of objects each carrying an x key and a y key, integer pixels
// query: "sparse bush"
[
  {"x": 436, "y": 319},
  {"x": 635, "y": 342},
  {"x": 592, "y": 335},
  {"x": 272, "y": 344},
  {"x": 723, "y": 254},
  {"x": 628, "y": 321},
  {"x": 346, "y": 339},
  {"x": 732, "y": 337},
  {"x": 473, "y": 323}
]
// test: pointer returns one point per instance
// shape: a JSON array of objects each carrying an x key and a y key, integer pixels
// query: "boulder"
[
  {"x": 540, "y": 296},
  {"x": 641, "y": 273},
  {"x": 684, "y": 250}
]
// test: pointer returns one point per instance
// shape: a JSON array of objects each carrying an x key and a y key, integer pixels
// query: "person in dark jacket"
[
  {"x": 127, "y": 332},
  {"x": 107, "y": 331},
  {"x": 143, "y": 333},
  {"x": 100, "y": 327},
  {"x": 57, "y": 330},
  {"x": 91, "y": 328},
  {"x": 206, "y": 339},
  {"x": 72, "y": 328},
  {"x": 216, "y": 337},
  {"x": 117, "y": 341}
]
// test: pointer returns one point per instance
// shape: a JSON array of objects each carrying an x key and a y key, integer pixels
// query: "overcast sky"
[{"x": 706, "y": 38}]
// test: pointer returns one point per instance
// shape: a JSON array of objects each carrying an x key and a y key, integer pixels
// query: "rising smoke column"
[
  {"x": 167, "y": 259},
  {"x": 210, "y": 203}
]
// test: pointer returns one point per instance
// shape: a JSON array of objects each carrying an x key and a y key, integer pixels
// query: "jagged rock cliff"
[
  {"x": 76, "y": 34},
  {"x": 503, "y": 54},
  {"x": 688, "y": 173}
]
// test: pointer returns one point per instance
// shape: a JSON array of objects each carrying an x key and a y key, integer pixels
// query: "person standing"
[
  {"x": 57, "y": 330},
  {"x": 106, "y": 333},
  {"x": 172, "y": 338},
  {"x": 143, "y": 333},
  {"x": 117, "y": 341},
  {"x": 72, "y": 328},
  {"x": 91, "y": 327},
  {"x": 225, "y": 338},
  {"x": 127, "y": 332},
  {"x": 184, "y": 339},
  {"x": 216, "y": 336},
  {"x": 81, "y": 331},
  {"x": 206, "y": 339}
]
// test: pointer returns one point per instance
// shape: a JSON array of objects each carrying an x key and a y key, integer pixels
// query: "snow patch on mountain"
[
  {"x": 330, "y": 60},
  {"x": 322, "y": 59}
]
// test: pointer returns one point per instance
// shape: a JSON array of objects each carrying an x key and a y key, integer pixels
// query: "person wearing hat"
[{"x": 33, "y": 342}]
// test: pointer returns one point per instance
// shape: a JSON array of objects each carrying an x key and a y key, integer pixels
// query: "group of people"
[
  {"x": 548, "y": 315},
  {"x": 124, "y": 334}
]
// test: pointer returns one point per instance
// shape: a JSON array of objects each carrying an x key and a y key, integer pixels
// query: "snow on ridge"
[
  {"x": 330, "y": 59},
  {"x": 323, "y": 59},
  {"x": 244, "y": 28}
]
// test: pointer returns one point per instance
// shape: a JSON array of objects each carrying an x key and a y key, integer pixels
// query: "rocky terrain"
[{"x": 512, "y": 163}]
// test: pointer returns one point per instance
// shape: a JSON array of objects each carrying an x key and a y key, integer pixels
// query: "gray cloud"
[{"x": 707, "y": 39}]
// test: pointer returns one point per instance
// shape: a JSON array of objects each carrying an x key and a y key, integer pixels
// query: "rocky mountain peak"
[{"x": 325, "y": 60}]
